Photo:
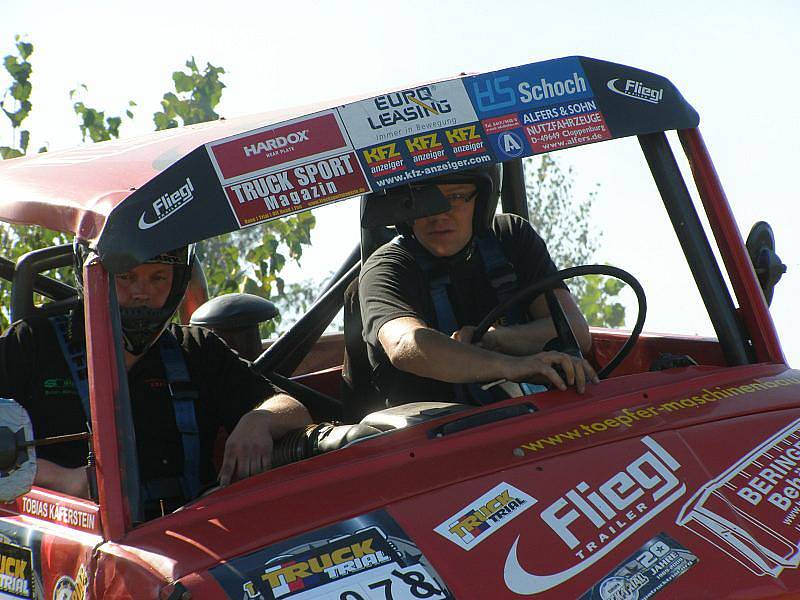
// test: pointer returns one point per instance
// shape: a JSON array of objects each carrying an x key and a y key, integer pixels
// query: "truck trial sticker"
[
  {"x": 365, "y": 558},
  {"x": 482, "y": 517},
  {"x": 645, "y": 572},
  {"x": 751, "y": 511},
  {"x": 16, "y": 571},
  {"x": 593, "y": 516}
]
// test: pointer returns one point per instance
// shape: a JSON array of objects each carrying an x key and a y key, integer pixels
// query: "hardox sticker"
[
  {"x": 482, "y": 517},
  {"x": 407, "y": 113},
  {"x": 277, "y": 145},
  {"x": 644, "y": 573},
  {"x": 761, "y": 489}
]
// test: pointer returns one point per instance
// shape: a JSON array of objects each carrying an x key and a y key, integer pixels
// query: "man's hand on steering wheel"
[{"x": 543, "y": 367}]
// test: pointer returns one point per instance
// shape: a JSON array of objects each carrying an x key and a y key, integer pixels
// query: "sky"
[{"x": 732, "y": 60}]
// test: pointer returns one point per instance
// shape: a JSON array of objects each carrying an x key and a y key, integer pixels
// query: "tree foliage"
[
  {"x": 246, "y": 261},
  {"x": 93, "y": 122},
  {"x": 564, "y": 222}
]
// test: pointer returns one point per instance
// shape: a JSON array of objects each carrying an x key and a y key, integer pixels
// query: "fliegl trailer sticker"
[
  {"x": 584, "y": 520},
  {"x": 287, "y": 168},
  {"x": 751, "y": 511},
  {"x": 365, "y": 558}
]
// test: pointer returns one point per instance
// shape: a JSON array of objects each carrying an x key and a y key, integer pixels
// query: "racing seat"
[{"x": 358, "y": 392}]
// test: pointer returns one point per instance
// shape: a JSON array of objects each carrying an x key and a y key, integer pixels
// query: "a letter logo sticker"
[
  {"x": 591, "y": 519},
  {"x": 482, "y": 517},
  {"x": 411, "y": 112},
  {"x": 167, "y": 205},
  {"x": 636, "y": 90},
  {"x": 762, "y": 490}
]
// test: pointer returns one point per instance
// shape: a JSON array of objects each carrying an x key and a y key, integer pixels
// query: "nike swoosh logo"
[{"x": 522, "y": 582}]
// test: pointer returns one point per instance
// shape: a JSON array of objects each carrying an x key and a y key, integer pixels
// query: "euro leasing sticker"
[{"x": 485, "y": 515}]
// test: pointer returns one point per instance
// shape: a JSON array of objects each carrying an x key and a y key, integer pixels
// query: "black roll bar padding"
[
  {"x": 526, "y": 294},
  {"x": 26, "y": 280},
  {"x": 288, "y": 351},
  {"x": 514, "y": 197},
  {"x": 736, "y": 347}
]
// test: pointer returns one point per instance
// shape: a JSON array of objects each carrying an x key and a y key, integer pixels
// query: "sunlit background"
[{"x": 733, "y": 61}]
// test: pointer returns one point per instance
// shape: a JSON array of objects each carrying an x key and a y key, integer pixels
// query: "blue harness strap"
[
  {"x": 182, "y": 393},
  {"x": 183, "y": 398},
  {"x": 75, "y": 355}
]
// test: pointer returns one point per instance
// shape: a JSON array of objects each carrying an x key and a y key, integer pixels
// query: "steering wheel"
[{"x": 566, "y": 337}]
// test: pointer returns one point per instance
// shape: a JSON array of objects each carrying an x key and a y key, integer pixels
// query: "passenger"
[
  {"x": 183, "y": 381},
  {"x": 422, "y": 295}
]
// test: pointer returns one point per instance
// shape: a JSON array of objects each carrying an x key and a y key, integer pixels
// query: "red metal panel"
[
  {"x": 754, "y": 310},
  {"x": 103, "y": 385}
]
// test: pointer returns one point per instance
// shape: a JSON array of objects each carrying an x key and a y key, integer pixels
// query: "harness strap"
[
  {"x": 182, "y": 393},
  {"x": 75, "y": 355},
  {"x": 183, "y": 403}
]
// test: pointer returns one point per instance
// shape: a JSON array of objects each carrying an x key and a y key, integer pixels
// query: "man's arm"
[
  {"x": 414, "y": 347},
  {"x": 531, "y": 337},
  {"x": 74, "y": 482},
  {"x": 248, "y": 449}
]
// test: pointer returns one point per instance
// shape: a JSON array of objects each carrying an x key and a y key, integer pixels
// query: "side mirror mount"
[{"x": 768, "y": 266}]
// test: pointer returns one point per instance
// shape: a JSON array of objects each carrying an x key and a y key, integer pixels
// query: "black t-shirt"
[
  {"x": 34, "y": 372},
  {"x": 393, "y": 285}
]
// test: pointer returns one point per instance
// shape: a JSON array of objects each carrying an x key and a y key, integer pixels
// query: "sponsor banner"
[
  {"x": 407, "y": 113},
  {"x": 366, "y": 558},
  {"x": 299, "y": 188},
  {"x": 510, "y": 144},
  {"x": 167, "y": 204},
  {"x": 645, "y": 572},
  {"x": 482, "y": 517},
  {"x": 273, "y": 146},
  {"x": 751, "y": 511},
  {"x": 565, "y": 132},
  {"x": 528, "y": 87},
  {"x": 417, "y": 156},
  {"x": 500, "y": 124},
  {"x": 16, "y": 571},
  {"x": 582, "y": 521},
  {"x": 631, "y": 88}
]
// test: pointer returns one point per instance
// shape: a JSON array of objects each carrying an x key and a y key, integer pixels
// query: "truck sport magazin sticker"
[
  {"x": 287, "y": 168},
  {"x": 751, "y": 511},
  {"x": 537, "y": 108},
  {"x": 659, "y": 562},
  {"x": 365, "y": 558}
]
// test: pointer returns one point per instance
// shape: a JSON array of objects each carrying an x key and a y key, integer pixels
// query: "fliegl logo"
[
  {"x": 636, "y": 90},
  {"x": 168, "y": 204},
  {"x": 592, "y": 519},
  {"x": 482, "y": 517}
]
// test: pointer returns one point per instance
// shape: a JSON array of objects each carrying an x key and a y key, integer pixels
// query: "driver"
[
  {"x": 422, "y": 295},
  {"x": 184, "y": 384}
]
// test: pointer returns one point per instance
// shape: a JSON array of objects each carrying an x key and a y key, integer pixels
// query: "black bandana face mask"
[{"x": 141, "y": 326}]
